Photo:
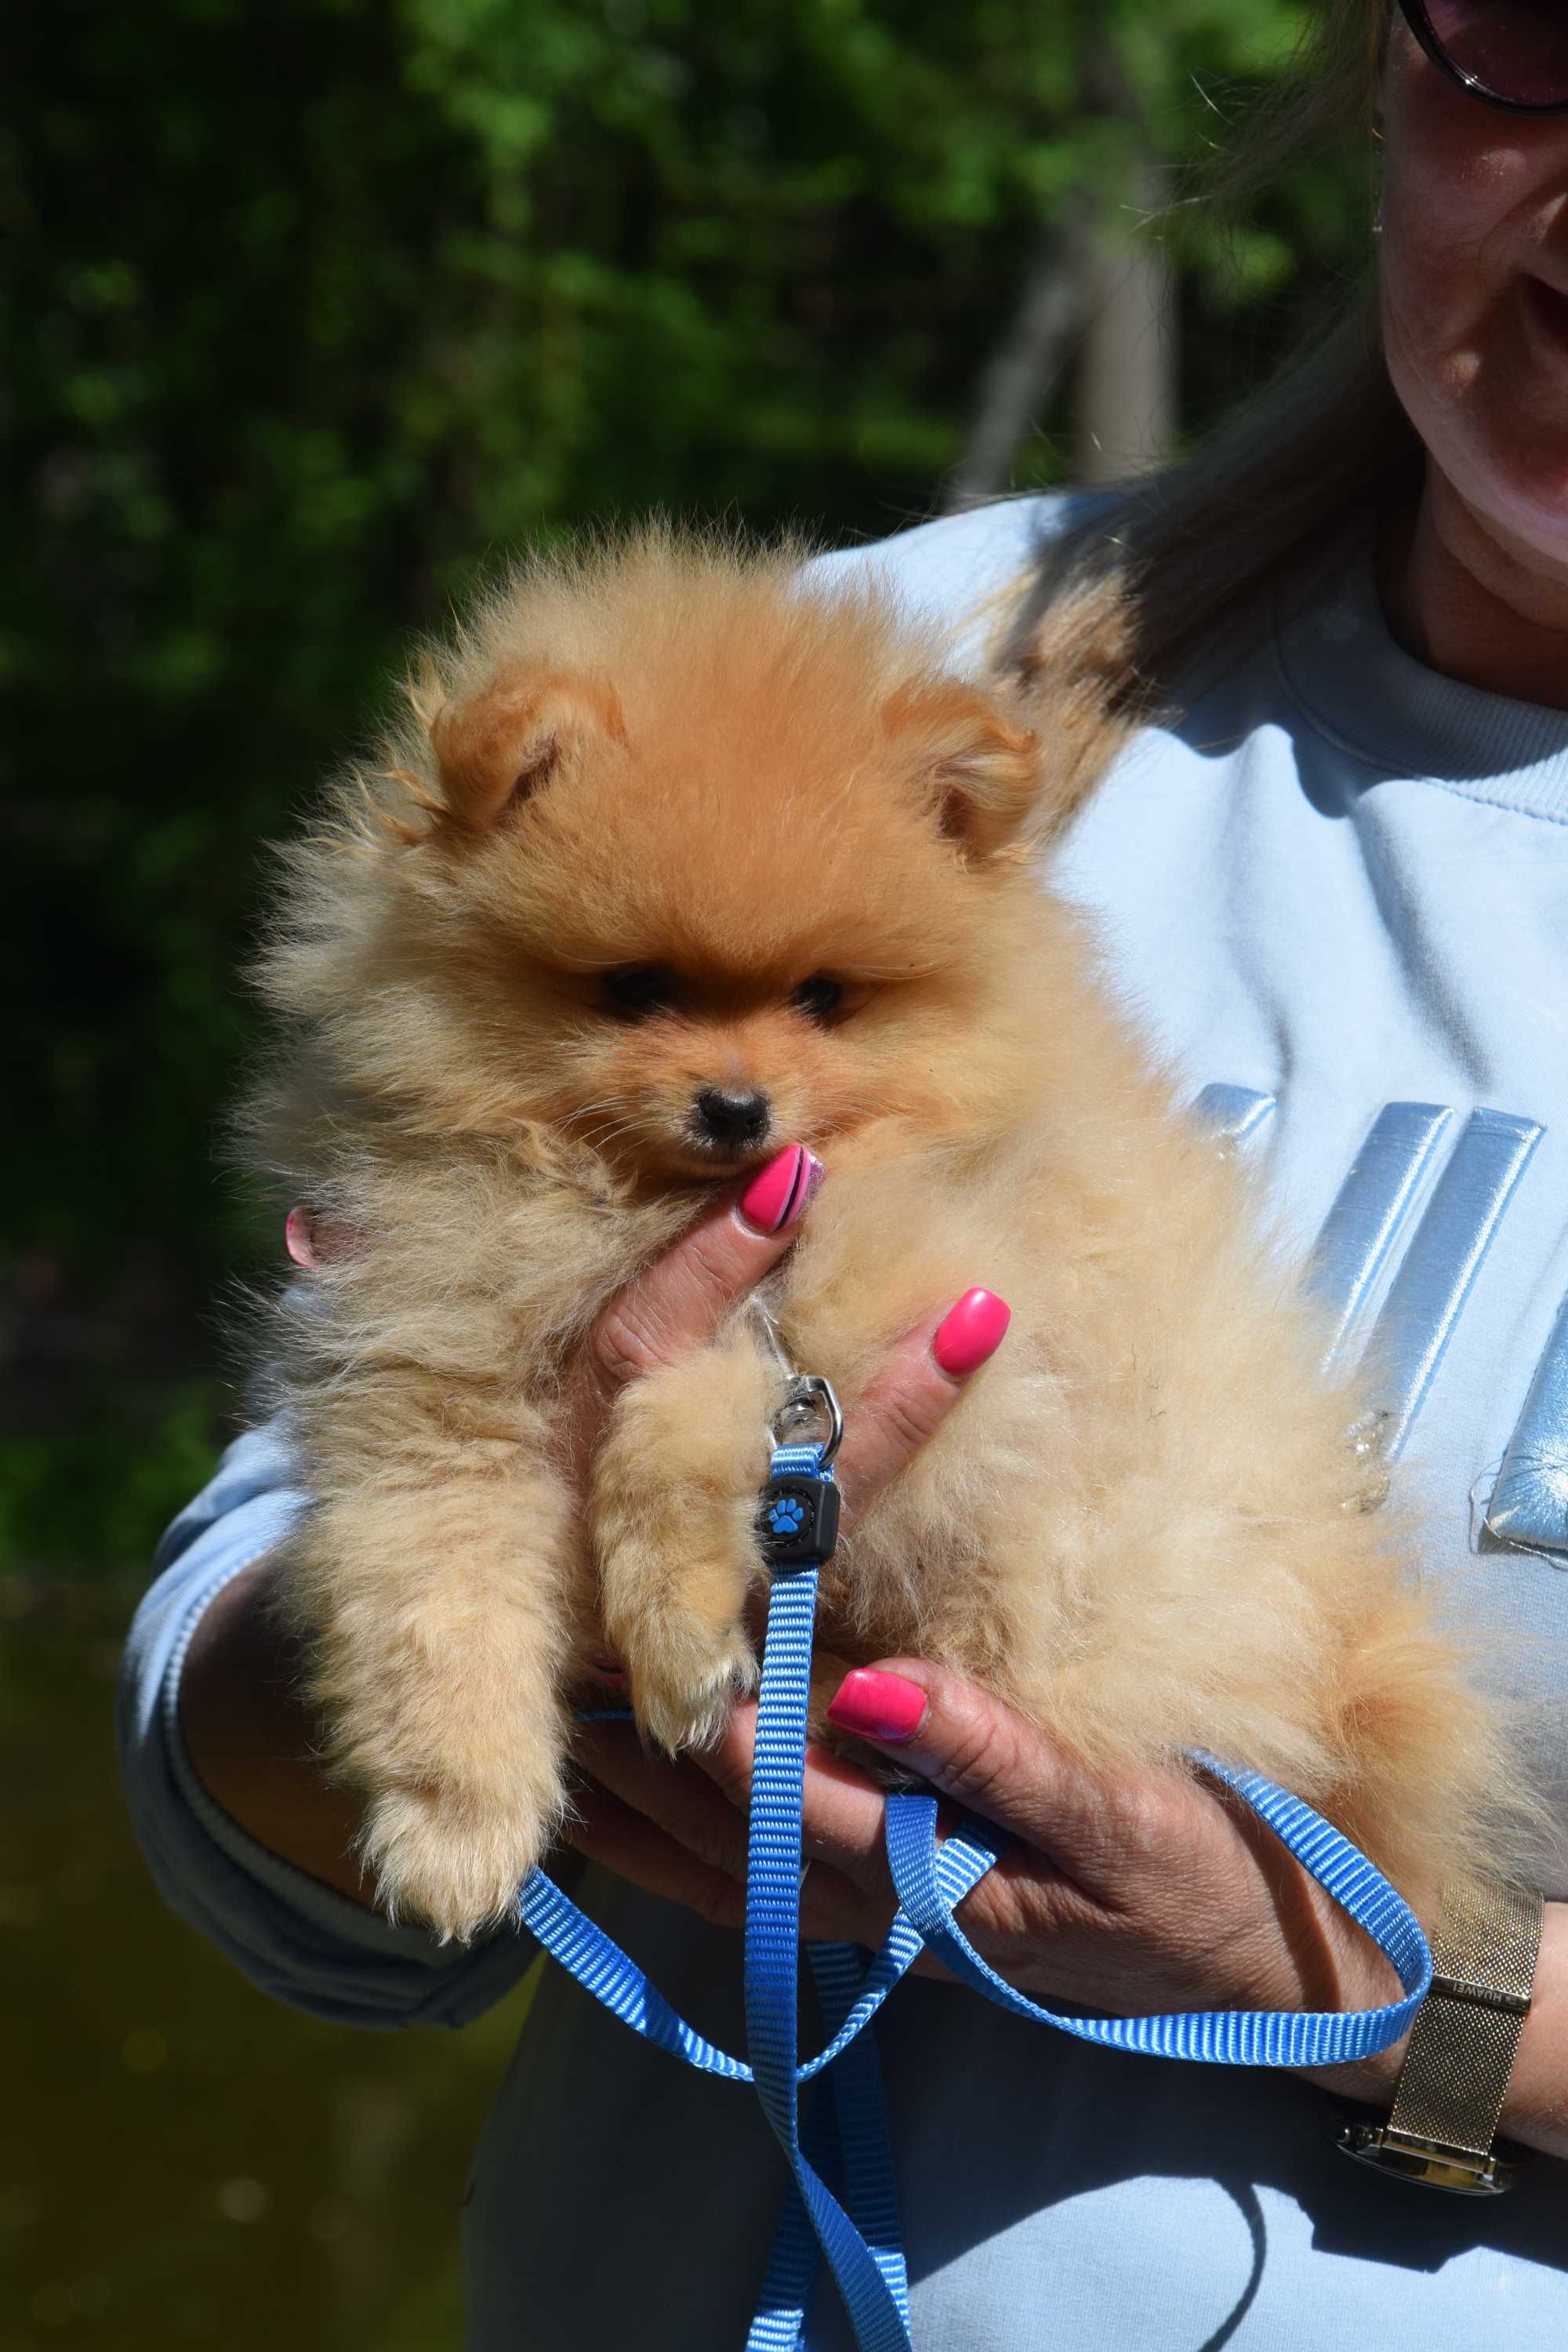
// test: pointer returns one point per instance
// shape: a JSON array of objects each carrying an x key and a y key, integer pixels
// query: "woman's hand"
[
  {"x": 678, "y": 1303},
  {"x": 682, "y": 1298},
  {"x": 1132, "y": 1894}
]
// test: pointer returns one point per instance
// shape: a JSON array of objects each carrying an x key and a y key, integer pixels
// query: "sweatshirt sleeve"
[{"x": 294, "y": 1937}]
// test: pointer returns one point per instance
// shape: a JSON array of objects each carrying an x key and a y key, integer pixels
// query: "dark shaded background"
[{"x": 313, "y": 308}]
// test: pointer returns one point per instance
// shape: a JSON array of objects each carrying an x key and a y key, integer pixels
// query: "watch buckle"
[{"x": 1431, "y": 2162}]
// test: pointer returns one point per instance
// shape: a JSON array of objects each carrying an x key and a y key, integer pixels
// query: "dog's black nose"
[{"x": 734, "y": 1122}]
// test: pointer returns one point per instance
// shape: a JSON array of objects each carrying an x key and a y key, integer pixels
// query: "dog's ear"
[
  {"x": 498, "y": 747},
  {"x": 979, "y": 767}
]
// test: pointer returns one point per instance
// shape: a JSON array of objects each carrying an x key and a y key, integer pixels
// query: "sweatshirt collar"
[{"x": 1341, "y": 663}]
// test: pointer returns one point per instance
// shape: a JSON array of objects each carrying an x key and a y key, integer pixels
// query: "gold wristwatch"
[{"x": 1441, "y": 2127}]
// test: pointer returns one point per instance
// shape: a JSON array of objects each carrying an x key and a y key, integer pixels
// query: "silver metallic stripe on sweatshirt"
[
  {"x": 1530, "y": 1501},
  {"x": 1428, "y": 1294},
  {"x": 1232, "y": 1113},
  {"x": 1370, "y": 1211},
  {"x": 1359, "y": 1239}
]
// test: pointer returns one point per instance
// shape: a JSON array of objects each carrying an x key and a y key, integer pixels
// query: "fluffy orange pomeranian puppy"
[{"x": 682, "y": 854}]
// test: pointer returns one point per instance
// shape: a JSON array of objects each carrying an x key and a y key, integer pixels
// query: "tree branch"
[{"x": 1025, "y": 363}]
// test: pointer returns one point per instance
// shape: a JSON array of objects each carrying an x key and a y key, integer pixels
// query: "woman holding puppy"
[{"x": 1331, "y": 878}]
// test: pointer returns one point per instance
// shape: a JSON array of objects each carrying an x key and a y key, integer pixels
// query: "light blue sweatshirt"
[{"x": 1335, "y": 895}]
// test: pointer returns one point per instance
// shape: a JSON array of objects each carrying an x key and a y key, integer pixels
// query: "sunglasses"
[{"x": 1512, "y": 53}]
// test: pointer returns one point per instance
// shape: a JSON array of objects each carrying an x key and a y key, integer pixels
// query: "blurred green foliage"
[
  {"x": 181, "y": 2163},
  {"x": 312, "y": 307}
]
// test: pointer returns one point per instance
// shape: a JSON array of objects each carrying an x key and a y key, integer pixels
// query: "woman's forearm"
[
  {"x": 255, "y": 1744},
  {"x": 1536, "y": 2108}
]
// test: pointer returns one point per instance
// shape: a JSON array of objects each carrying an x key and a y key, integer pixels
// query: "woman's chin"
[
  {"x": 1495, "y": 422},
  {"x": 1519, "y": 458},
  {"x": 1514, "y": 466},
  {"x": 1532, "y": 503}
]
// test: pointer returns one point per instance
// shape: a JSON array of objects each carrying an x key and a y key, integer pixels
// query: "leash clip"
[
  {"x": 797, "y": 1510},
  {"x": 807, "y": 1397},
  {"x": 806, "y": 1394}
]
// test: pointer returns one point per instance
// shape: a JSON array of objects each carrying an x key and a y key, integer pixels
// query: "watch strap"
[{"x": 1441, "y": 2127}]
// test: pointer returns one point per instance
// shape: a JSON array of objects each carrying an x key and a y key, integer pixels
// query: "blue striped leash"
[{"x": 847, "y": 2128}]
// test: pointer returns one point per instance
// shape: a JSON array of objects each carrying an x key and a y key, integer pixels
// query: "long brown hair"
[{"x": 1168, "y": 564}]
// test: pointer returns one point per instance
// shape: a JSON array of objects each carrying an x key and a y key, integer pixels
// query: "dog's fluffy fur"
[{"x": 1141, "y": 1524}]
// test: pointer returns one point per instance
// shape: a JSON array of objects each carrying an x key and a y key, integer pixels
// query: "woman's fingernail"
[
  {"x": 878, "y": 1706},
  {"x": 298, "y": 1239},
  {"x": 970, "y": 1332},
  {"x": 777, "y": 1194}
]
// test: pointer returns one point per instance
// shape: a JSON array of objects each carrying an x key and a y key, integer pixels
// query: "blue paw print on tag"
[{"x": 787, "y": 1515}]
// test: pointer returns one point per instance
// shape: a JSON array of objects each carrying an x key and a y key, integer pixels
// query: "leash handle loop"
[{"x": 1216, "y": 2037}]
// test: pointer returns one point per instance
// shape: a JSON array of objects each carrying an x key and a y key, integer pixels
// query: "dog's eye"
[
  {"x": 639, "y": 990},
  {"x": 818, "y": 998}
]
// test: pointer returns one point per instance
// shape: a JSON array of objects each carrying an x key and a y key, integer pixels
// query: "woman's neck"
[{"x": 1481, "y": 609}]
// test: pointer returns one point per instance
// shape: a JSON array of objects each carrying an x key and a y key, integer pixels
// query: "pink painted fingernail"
[
  {"x": 777, "y": 1194},
  {"x": 878, "y": 1706},
  {"x": 970, "y": 1332},
  {"x": 299, "y": 1240}
]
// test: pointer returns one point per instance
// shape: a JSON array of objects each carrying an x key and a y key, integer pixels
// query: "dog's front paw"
[
  {"x": 440, "y": 1858},
  {"x": 685, "y": 1677}
]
